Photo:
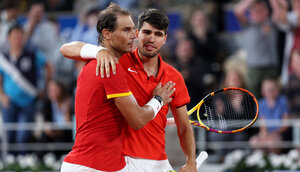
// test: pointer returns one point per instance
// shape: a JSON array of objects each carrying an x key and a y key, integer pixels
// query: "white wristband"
[
  {"x": 155, "y": 105},
  {"x": 89, "y": 51}
]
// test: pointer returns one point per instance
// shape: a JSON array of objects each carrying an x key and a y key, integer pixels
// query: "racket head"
[{"x": 227, "y": 110}]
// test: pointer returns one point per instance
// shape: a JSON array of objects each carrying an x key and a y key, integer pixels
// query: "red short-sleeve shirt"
[
  {"x": 149, "y": 142},
  {"x": 99, "y": 123}
]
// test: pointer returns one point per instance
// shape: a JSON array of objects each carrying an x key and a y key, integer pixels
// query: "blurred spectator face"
[
  {"x": 16, "y": 38},
  {"x": 11, "y": 9},
  {"x": 12, "y": 13},
  {"x": 150, "y": 40},
  {"x": 270, "y": 89},
  {"x": 53, "y": 91},
  {"x": 295, "y": 62},
  {"x": 198, "y": 19},
  {"x": 259, "y": 12},
  {"x": 184, "y": 50},
  {"x": 53, "y": 4},
  {"x": 92, "y": 20},
  {"x": 233, "y": 79}
]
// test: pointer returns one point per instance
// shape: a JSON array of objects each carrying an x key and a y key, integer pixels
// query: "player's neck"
[
  {"x": 112, "y": 50},
  {"x": 151, "y": 65}
]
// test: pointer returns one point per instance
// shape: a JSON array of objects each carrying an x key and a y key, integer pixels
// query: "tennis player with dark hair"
[
  {"x": 102, "y": 104},
  {"x": 144, "y": 149}
]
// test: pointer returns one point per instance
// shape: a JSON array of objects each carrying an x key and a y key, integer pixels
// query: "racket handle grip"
[
  {"x": 201, "y": 158},
  {"x": 170, "y": 121}
]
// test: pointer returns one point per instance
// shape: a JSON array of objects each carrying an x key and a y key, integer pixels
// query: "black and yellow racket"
[{"x": 227, "y": 110}]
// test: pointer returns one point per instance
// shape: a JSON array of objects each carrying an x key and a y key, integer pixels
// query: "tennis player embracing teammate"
[
  {"x": 103, "y": 104},
  {"x": 144, "y": 149}
]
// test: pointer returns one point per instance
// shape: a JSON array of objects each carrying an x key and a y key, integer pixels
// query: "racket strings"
[{"x": 228, "y": 110}]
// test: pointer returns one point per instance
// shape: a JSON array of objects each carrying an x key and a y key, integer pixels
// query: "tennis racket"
[
  {"x": 227, "y": 110},
  {"x": 200, "y": 159}
]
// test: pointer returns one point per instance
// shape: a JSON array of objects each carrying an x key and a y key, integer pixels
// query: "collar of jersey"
[{"x": 139, "y": 64}]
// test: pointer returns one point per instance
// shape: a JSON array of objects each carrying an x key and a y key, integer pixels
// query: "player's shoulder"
[
  {"x": 89, "y": 69},
  {"x": 170, "y": 70},
  {"x": 127, "y": 56},
  {"x": 90, "y": 64}
]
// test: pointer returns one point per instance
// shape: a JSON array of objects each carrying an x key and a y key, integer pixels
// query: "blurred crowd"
[{"x": 252, "y": 44}]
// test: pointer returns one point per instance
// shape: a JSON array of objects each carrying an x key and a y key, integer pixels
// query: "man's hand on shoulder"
[{"x": 105, "y": 59}]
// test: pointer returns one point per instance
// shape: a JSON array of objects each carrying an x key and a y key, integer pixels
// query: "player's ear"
[
  {"x": 106, "y": 34},
  {"x": 137, "y": 33},
  {"x": 165, "y": 39}
]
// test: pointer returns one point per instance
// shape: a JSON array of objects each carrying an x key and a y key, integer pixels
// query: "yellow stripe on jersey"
[{"x": 118, "y": 95}]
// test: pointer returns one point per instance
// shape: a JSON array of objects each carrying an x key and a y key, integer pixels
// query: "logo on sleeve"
[{"x": 130, "y": 70}]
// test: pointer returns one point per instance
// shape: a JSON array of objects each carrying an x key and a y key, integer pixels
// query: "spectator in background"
[
  {"x": 63, "y": 68},
  {"x": 58, "y": 5},
  {"x": 233, "y": 78},
  {"x": 40, "y": 32},
  {"x": 19, "y": 71},
  {"x": 287, "y": 21},
  {"x": 206, "y": 43},
  {"x": 85, "y": 30},
  {"x": 260, "y": 42},
  {"x": 57, "y": 109},
  {"x": 9, "y": 11},
  {"x": 194, "y": 70},
  {"x": 273, "y": 106},
  {"x": 293, "y": 88}
]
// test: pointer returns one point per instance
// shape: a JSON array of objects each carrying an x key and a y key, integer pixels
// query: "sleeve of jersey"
[
  {"x": 181, "y": 95},
  {"x": 116, "y": 85}
]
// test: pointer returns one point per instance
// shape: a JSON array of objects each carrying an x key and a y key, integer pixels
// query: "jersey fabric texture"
[
  {"x": 99, "y": 123},
  {"x": 149, "y": 142}
]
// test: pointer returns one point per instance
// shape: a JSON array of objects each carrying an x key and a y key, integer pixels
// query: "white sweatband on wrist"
[
  {"x": 155, "y": 105},
  {"x": 89, "y": 51}
]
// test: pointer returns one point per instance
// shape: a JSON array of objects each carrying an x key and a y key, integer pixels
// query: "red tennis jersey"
[
  {"x": 99, "y": 123},
  {"x": 149, "y": 142}
]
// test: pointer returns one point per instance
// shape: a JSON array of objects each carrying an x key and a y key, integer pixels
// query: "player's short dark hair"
[
  {"x": 107, "y": 19},
  {"x": 155, "y": 18}
]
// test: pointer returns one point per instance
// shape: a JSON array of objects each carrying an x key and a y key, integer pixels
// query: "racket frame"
[{"x": 201, "y": 124}]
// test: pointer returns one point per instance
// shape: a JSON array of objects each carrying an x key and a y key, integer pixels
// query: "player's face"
[
  {"x": 150, "y": 40},
  {"x": 123, "y": 37}
]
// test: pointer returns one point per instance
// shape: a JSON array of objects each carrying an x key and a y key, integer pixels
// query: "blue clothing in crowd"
[
  {"x": 28, "y": 65},
  {"x": 273, "y": 113}
]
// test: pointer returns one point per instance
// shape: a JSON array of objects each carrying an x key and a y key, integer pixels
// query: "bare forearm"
[
  {"x": 185, "y": 134},
  {"x": 279, "y": 13},
  {"x": 135, "y": 115},
  {"x": 240, "y": 10},
  {"x": 243, "y": 5},
  {"x": 72, "y": 50},
  {"x": 187, "y": 143}
]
